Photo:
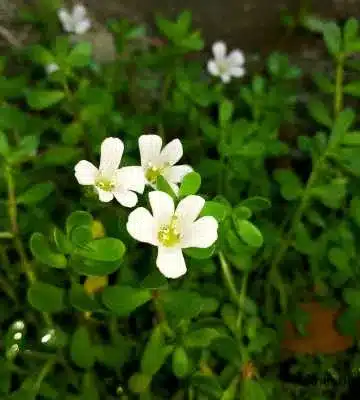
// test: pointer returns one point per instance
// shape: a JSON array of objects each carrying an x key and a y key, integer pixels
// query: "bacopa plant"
[{"x": 171, "y": 228}]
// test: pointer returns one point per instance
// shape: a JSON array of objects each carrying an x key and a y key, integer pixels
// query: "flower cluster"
[{"x": 169, "y": 228}]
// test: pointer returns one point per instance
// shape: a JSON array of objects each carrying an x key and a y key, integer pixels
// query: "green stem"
[
  {"x": 7, "y": 288},
  {"x": 228, "y": 278},
  {"x": 6, "y": 235},
  {"x": 339, "y": 80},
  {"x": 45, "y": 370},
  {"x": 242, "y": 301}
]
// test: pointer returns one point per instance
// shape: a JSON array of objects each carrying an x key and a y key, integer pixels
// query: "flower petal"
[
  {"x": 226, "y": 78},
  {"x": 126, "y": 198},
  {"x": 65, "y": 19},
  {"x": 236, "y": 58},
  {"x": 51, "y": 68},
  {"x": 79, "y": 13},
  {"x": 238, "y": 72},
  {"x": 170, "y": 262},
  {"x": 162, "y": 206},
  {"x": 219, "y": 50},
  {"x": 150, "y": 147},
  {"x": 141, "y": 226},
  {"x": 85, "y": 172},
  {"x": 82, "y": 26},
  {"x": 189, "y": 209},
  {"x": 104, "y": 196},
  {"x": 202, "y": 233},
  {"x": 176, "y": 173},
  {"x": 131, "y": 178},
  {"x": 172, "y": 152},
  {"x": 111, "y": 153},
  {"x": 213, "y": 68}
]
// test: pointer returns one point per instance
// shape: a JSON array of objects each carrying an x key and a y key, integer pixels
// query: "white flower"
[
  {"x": 172, "y": 230},
  {"x": 51, "y": 68},
  {"x": 224, "y": 65},
  {"x": 156, "y": 162},
  {"x": 108, "y": 180},
  {"x": 76, "y": 21}
]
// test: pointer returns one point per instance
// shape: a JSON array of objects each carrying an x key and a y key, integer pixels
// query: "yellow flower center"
[
  {"x": 169, "y": 235},
  {"x": 153, "y": 172},
  {"x": 105, "y": 184}
]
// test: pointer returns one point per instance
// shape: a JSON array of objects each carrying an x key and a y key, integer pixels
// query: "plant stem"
[
  {"x": 339, "y": 80},
  {"x": 45, "y": 370},
  {"x": 242, "y": 301},
  {"x": 6, "y": 235},
  {"x": 228, "y": 278}
]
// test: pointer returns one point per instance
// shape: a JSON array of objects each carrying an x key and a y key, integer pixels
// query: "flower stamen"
[
  {"x": 105, "y": 184},
  {"x": 169, "y": 235}
]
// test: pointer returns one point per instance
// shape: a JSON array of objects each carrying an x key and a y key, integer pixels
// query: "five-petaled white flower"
[
  {"x": 76, "y": 21},
  {"x": 156, "y": 162},
  {"x": 51, "y": 68},
  {"x": 172, "y": 230},
  {"x": 110, "y": 181},
  {"x": 224, "y": 65}
]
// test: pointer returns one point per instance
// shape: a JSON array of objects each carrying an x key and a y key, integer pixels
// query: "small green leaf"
[
  {"x": 4, "y": 145},
  {"x": 342, "y": 125},
  {"x": 36, "y": 194},
  {"x": 139, "y": 383},
  {"x": 332, "y": 37},
  {"x": 80, "y": 55},
  {"x": 340, "y": 259},
  {"x": 180, "y": 362},
  {"x": 40, "y": 249},
  {"x": 42, "y": 99},
  {"x": 60, "y": 155},
  {"x": 104, "y": 249},
  {"x": 61, "y": 241},
  {"x": 249, "y": 233},
  {"x": 319, "y": 112},
  {"x": 290, "y": 184},
  {"x": 80, "y": 235},
  {"x": 256, "y": 203},
  {"x": 252, "y": 390},
  {"x": 162, "y": 184},
  {"x": 200, "y": 254},
  {"x": 201, "y": 337},
  {"x": 81, "y": 349},
  {"x": 183, "y": 304},
  {"x": 216, "y": 209},
  {"x": 123, "y": 300},
  {"x": 225, "y": 112},
  {"x": 78, "y": 218},
  {"x": 352, "y": 297},
  {"x": 241, "y": 212},
  {"x": 348, "y": 321},
  {"x": 332, "y": 194},
  {"x": 351, "y": 139},
  {"x": 190, "y": 184},
  {"x": 45, "y": 297}
]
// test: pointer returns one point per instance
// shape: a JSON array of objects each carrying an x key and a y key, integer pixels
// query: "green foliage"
[{"x": 85, "y": 311}]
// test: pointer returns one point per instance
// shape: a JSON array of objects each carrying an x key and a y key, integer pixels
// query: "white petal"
[
  {"x": 219, "y": 50},
  {"x": 202, "y": 233},
  {"x": 111, "y": 153},
  {"x": 174, "y": 187},
  {"x": 176, "y": 174},
  {"x": 226, "y": 78},
  {"x": 238, "y": 72},
  {"x": 126, "y": 198},
  {"x": 172, "y": 152},
  {"x": 213, "y": 68},
  {"x": 65, "y": 19},
  {"x": 141, "y": 226},
  {"x": 51, "y": 68},
  {"x": 162, "y": 206},
  {"x": 82, "y": 26},
  {"x": 189, "y": 209},
  {"x": 104, "y": 196},
  {"x": 85, "y": 172},
  {"x": 150, "y": 147},
  {"x": 79, "y": 13},
  {"x": 131, "y": 178},
  {"x": 170, "y": 262},
  {"x": 236, "y": 57}
]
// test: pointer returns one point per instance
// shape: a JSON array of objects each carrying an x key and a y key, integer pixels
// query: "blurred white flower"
[
  {"x": 224, "y": 65},
  {"x": 51, "y": 68},
  {"x": 172, "y": 230},
  {"x": 156, "y": 162},
  {"x": 76, "y": 21},
  {"x": 110, "y": 181}
]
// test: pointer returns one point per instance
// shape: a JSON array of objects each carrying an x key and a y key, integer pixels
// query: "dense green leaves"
[
  {"x": 42, "y": 251},
  {"x": 46, "y": 297},
  {"x": 41, "y": 99},
  {"x": 123, "y": 300}
]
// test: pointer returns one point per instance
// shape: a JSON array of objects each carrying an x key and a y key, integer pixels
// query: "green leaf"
[
  {"x": 182, "y": 304},
  {"x": 155, "y": 353},
  {"x": 319, "y": 112},
  {"x": 201, "y": 337},
  {"x": 42, "y": 99},
  {"x": 39, "y": 247},
  {"x": 80, "y": 55},
  {"x": 216, "y": 209},
  {"x": 36, "y": 194},
  {"x": 351, "y": 28},
  {"x": 290, "y": 185},
  {"x": 230, "y": 392},
  {"x": 249, "y": 233},
  {"x": 355, "y": 209},
  {"x": 208, "y": 385},
  {"x": 61, "y": 241},
  {"x": 104, "y": 249},
  {"x": 332, "y": 37},
  {"x": 351, "y": 139},
  {"x": 331, "y": 195},
  {"x": 60, "y": 155},
  {"x": 353, "y": 88},
  {"x": 123, "y": 300},
  {"x": 45, "y": 297},
  {"x": 256, "y": 203},
  {"x": 4, "y": 145},
  {"x": 225, "y": 112},
  {"x": 180, "y": 362},
  {"x": 190, "y": 184},
  {"x": 81, "y": 300},
  {"x": 40, "y": 55},
  {"x": 162, "y": 184},
  {"x": 340, "y": 259},
  {"x": 78, "y": 218},
  {"x": 82, "y": 350},
  {"x": 241, "y": 212},
  {"x": 342, "y": 124},
  {"x": 348, "y": 321},
  {"x": 352, "y": 297},
  {"x": 200, "y": 254},
  {"x": 139, "y": 383},
  {"x": 80, "y": 236},
  {"x": 252, "y": 390}
]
